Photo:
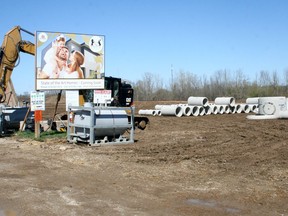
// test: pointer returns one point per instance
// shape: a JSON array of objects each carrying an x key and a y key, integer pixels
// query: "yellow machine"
[
  {"x": 9, "y": 54},
  {"x": 11, "y": 116}
]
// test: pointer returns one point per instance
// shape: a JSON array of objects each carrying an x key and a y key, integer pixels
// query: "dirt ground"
[{"x": 207, "y": 165}]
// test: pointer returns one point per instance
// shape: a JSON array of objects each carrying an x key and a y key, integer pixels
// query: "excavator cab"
[{"x": 121, "y": 92}]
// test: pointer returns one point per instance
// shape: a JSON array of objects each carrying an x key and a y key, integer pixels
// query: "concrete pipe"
[
  {"x": 238, "y": 108},
  {"x": 208, "y": 110},
  {"x": 220, "y": 109},
  {"x": 226, "y": 109},
  {"x": 253, "y": 108},
  {"x": 225, "y": 101},
  {"x": 181, "y": 105},
  {"x": 214, "y": 109},
  {"x": 158, "y": 107},
  {"x": 197, "y": 101},
  {"x": 245, "y": 108},
  {"x": 147, "y": 112},
  {"x": 158, "y": 112},
  {"x": 253, "y": 100},
  {"x": 171, "y": 110},
  {"x": 187, "y": 111},
  {"x": 201, "y": 110},
  {"x": 232, "y": 109},
  {"x": 195, "y": 110}
]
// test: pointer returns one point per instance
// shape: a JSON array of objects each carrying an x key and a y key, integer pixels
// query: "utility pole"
[{"x": 172, "y": 79}]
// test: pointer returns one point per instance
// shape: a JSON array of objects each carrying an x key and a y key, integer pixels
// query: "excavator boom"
[{"x": 9, "y": 54}]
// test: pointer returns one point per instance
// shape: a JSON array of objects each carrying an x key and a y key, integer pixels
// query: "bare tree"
[
  {"x": 146, "y": 88},
  {"x": 286, "y": 82},
  {"x": 185, "y": 84},
  {"x": 275, "y": 83},
  {"x": 239, "y": 85},
  {"x": 264, "y": 79},
  {"x": 221, "y": 83}
]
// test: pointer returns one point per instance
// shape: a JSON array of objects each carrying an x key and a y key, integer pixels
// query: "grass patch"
[{"x": 43, "y": 135}]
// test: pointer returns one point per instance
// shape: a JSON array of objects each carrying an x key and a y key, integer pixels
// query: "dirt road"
[{"x": 208, "y": 165}]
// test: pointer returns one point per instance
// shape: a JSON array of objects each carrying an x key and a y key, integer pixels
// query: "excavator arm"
[{"x": 9, "y": 53}]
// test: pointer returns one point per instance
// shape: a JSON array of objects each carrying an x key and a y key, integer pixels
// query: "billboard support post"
[{"x": 38, "y": 119}]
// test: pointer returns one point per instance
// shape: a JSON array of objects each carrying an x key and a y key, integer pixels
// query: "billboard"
[{"x": 68, "y": 61}]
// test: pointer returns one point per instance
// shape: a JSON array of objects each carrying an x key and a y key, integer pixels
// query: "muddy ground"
[{"x": 208, "y": 165}]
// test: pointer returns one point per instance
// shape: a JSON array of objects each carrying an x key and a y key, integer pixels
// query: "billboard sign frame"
[{"x": 69, "y": 61}]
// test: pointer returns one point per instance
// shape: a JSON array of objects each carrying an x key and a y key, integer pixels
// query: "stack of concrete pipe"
[
  {"x": 253, "y": 104},
  {"x": 200, "y": 106}
]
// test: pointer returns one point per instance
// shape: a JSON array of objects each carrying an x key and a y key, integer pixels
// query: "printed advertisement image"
[{"x": 68, "y": 61}]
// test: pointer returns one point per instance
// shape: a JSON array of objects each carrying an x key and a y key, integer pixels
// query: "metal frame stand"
[{"x": 72, "y": 137}]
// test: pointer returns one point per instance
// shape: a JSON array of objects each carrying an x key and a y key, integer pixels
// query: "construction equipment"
[
  {"x": 10, "y": 117},
  {"x": 122, "y": 93}
]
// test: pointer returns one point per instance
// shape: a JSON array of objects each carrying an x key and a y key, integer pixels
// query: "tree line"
[{"x": 222, "y": 83}]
